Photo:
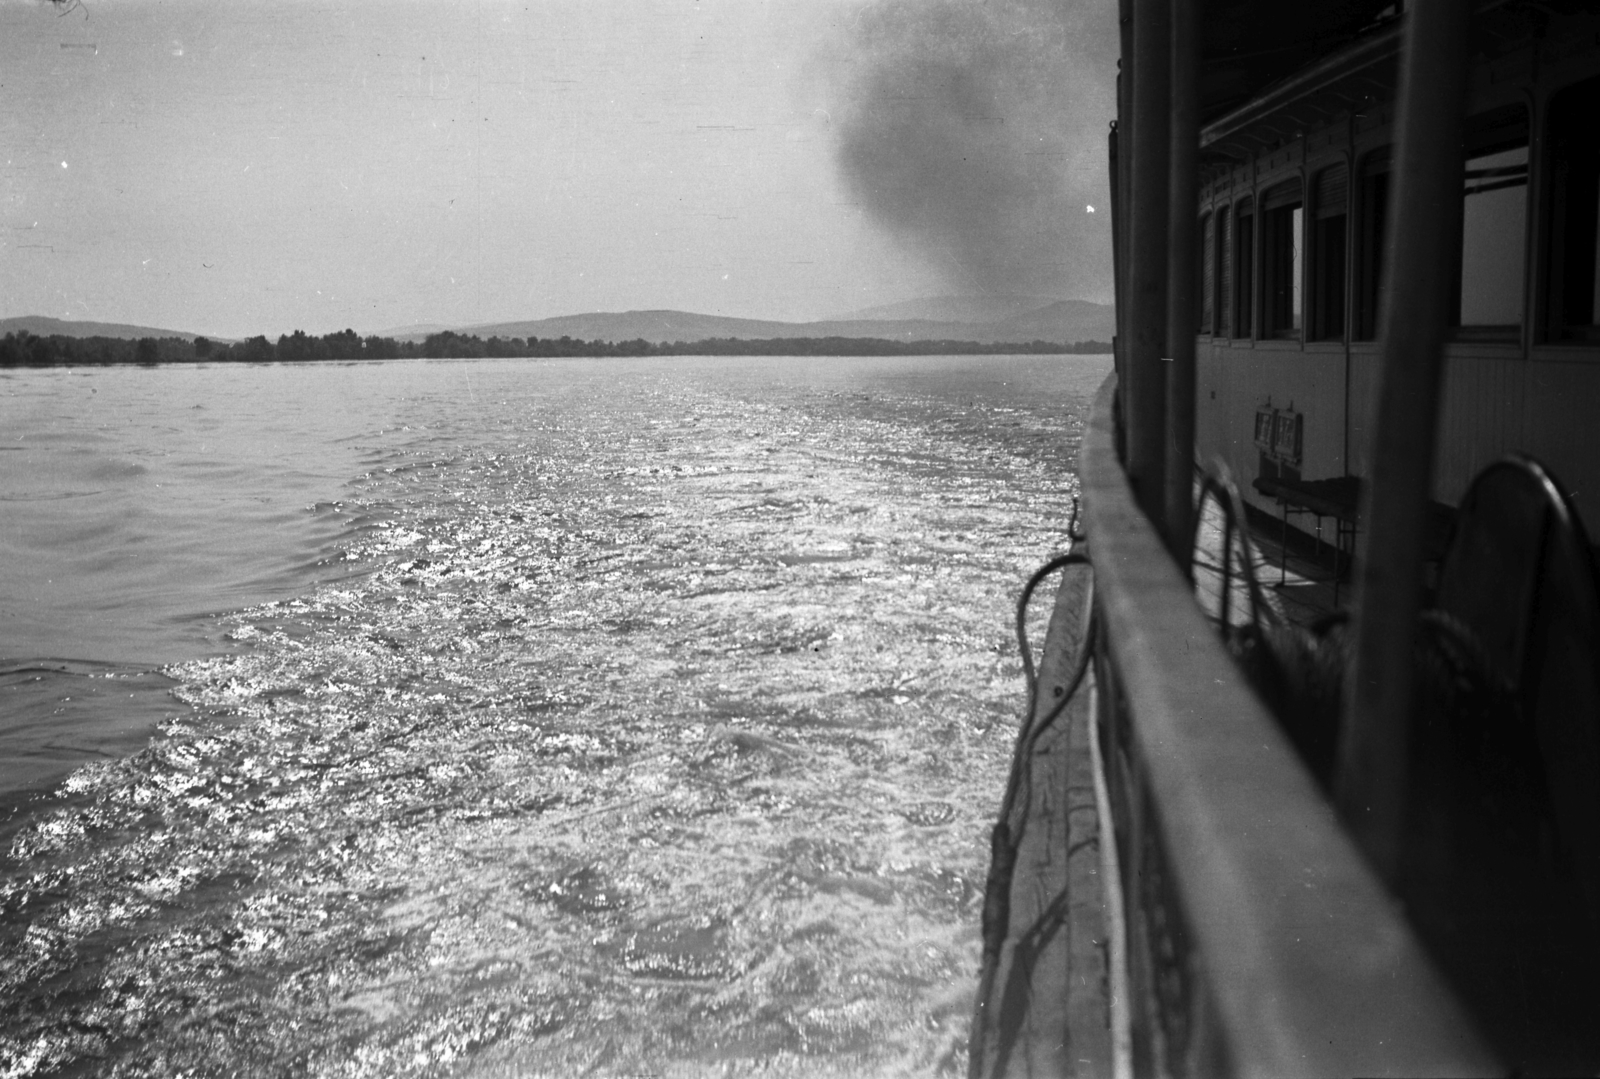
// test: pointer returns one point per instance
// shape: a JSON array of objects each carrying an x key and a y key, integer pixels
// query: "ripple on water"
[{"x": 601, "y": 769}]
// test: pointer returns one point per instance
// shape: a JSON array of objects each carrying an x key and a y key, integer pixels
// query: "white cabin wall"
[
  {"x": 1560, "y": 395},
  {"x": 1481, "y": 415},
  {"x": 1495, "y": 403},
  {"x": 1238, "y": 377},
  {"x": 1214, "y": 395},
  {"x": 1363, "y": 404},
  {"x": 1498, "y": 397}
]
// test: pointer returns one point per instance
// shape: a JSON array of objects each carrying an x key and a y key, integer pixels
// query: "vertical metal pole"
[
  {"x": 1182, "y": 282},
  {"x": 1146, "y": 402},
  {"x": 1118, "y": 255},
  {"x": 1352, "y": 200},
  {"x": 1123, "y": 188},
  {"x": 1371, "y": 781}
]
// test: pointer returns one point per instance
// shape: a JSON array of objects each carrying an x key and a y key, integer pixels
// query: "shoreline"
[{"x": 25, "y": 350}]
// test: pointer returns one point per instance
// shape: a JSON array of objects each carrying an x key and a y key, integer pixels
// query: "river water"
[{"x": 621, "y": 717}]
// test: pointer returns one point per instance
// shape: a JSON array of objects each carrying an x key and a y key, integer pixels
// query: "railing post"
[
  {"x": 1145, "y": 403},
  {"x": 1182, "y": 283},
  {"x": 1370, "y": 784}
]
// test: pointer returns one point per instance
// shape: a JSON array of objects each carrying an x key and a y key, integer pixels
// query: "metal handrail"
[{"x": 1266, "y": 944}]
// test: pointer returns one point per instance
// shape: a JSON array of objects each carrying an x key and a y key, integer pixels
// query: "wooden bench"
[{"x": 1339, "y": 497}]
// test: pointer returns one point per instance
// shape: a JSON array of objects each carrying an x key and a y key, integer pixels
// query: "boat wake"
[{"x": 647, "y": 743}]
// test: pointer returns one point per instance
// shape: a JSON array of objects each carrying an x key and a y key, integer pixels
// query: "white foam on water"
[{"x": 662, "y": 738}]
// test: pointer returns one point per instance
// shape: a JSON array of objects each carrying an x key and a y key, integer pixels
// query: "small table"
[{"x": 1339, "y": 497}]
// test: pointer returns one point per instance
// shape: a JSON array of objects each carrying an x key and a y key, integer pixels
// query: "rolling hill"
[
  {"x": 40, "y": 326},
  {"x": 981, "y": 319},
  {"x": 1064, "y": 320}
]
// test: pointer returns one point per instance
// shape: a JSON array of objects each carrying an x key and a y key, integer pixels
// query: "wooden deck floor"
[
  {"x": 1295, "y": 570},
  {"x": 1301, "y": 573}
]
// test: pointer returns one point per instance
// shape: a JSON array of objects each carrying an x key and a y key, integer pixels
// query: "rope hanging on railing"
[{"x": 1005, "y": 839}]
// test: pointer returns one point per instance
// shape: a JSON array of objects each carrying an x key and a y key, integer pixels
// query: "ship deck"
[
  {"x": 1299, "y": 569},
  {"x": 1049, "y": 1009}
]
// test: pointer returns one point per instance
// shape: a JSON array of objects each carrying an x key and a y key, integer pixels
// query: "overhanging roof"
[
  {"x": 1249, "y": 45},
  {"x": 1347, "y": 80},
  {"x": 1271, "y": 71}
]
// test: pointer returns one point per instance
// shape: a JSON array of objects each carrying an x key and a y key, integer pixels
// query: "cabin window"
[
  {"x": 1574, "y": 266},
  {"x": 1330, "y": 201},
  {"x": 1372, "y": 245},
  {"x": 1282, "y": 261},
  {"x": 1494, "y": 214},
  {"x": 1243, "y": 269},
  {"x": 1224, "y": 273},
  {"x": 1207, "y": 282}
]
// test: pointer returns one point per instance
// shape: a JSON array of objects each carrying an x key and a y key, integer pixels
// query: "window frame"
[
  {"x": 1374, "y": 175},
  {"x": 1488, "y": 132},
  {"x": 1328, "y": 225},
  {"x": 1244, "y": 286},
  {"x": 1222, "y": 273},
  {"x": 1281, "y": 278},
  {"x": 1563, "y": 222}
]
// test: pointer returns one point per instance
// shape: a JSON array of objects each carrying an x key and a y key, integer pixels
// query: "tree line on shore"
[{"x": 23, "y": 349}]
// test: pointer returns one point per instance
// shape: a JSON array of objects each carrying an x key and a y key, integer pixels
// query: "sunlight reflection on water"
[{"x": 661, "y": 737}]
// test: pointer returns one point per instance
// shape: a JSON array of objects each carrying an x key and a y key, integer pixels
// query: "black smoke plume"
[{"x": 976, "y": 133}]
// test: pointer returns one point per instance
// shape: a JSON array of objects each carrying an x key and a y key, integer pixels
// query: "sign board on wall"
[{"x": 1280, "y": 435}]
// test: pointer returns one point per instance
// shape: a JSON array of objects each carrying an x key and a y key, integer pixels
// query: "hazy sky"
[{"x": 254, "y": 166}]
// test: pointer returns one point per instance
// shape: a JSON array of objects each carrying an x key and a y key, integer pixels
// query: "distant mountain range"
[
  {"x": 986, "y": 320},
  {"x": 1062, "y": 320},
  {"x": 40, "y": 326}
]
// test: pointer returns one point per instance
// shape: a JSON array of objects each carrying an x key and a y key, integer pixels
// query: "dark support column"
[
  {"x": 1119, "y": 243},
  {"x": 1122, "y": 195},
  {"x": 1182, "y": 283},
  {"x": 1371, "y": 780},
  {"x": 1145, "y": 405}
]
